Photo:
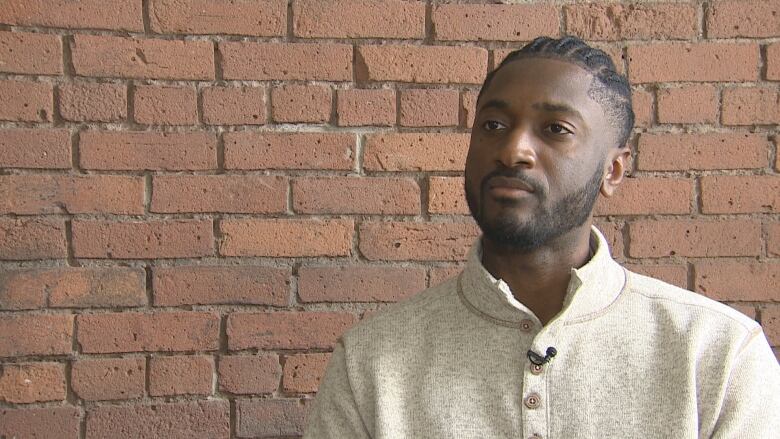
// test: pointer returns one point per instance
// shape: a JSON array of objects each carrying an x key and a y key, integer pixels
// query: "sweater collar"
[{"x": 592, "y": 288}]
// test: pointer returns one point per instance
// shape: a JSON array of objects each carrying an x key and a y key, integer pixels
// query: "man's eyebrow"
[
  {"x": 555, "y": 107},
  {"x": 495, "y": 103}
]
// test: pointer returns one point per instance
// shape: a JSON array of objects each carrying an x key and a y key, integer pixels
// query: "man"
[{"x": 543, "y": 335}]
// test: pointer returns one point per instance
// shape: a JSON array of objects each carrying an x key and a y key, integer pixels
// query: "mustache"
[{"x": 515, "y": 174}]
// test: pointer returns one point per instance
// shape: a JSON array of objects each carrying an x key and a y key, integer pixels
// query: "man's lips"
[{"x": 508, "y": 184}]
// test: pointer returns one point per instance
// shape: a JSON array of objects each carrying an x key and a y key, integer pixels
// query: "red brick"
[
  {"x": 770, "y": 321},
  {"x": 773, "y": 235},
  {"x": 740, "y": 194},
  {"x": 234, "y": 105},
  {"x": 440, "y": 274},
  {"x": 303, "y": 372},
  {"x": 121, "y": 57},
  {"x": 698, "y": 62},
  {"x": 93, "y": 102},
  {"x": 415, "y": 152},
  {"x": 743, "y": 18},
  {"x": 219, "y": 193},
  {"x": 634, "y": 21},
  {"x": 301, "y": 103},
  {"x": 694, "y": 238},
  {"x": 23, "y": 383},
  {"x": 422, "y": 64},
  {"x": 748, "y": 310},
  {"x": 671, "y": 273},
  {"x": 400, "y": 241},
  {"x": 190, "y": 419},
  {"x": 642, "y": 102},
  {"x": 446, "y": 196},
  {"x": 468, "y": 107},
  {"x": 153, "y": 239},
  {"x": 285, "y": 237},
  {"x": 27, "y": 334},
  {"x": 357, "y": 283},
  {"x": 156, "y": 105},
  {"x": 29, "y": 53},
  {"x": 50, "y": 422},
  {"x": 688, "y": 104},
  {"x": 286, "y": 330},
  {"x": 109, "y": 378},
  {"x": 210, "y": 285},
  {"x": 271, "y": 417},
  {"x": 90, "y": 14},
  {"x": 468, "y": 22},
  {"x": 613, "y": 233},
  {"x": 290, "y": 61},
  {"x": 51, "y": 194},
  {"x": 249, "y": 374},
  {"x": 739, "y": 281},
  {"x": 35, "y": 148},
  {"x": 180, "y": 375},
  {"x": 35, "y": 238},
  {"x": 648, "y": 195},
  {"x": 702, "y": 151},
  {"x": 321, "y": 151},
  {"x": 26, "y": 101},
  {"x": 751, "y": 106},
  {"x": 366, "y": 107},
  {"x": 21, "y": 289},
  {"x": 263, "y": 18},
  {"x": 138, "y": 151},
  {"x": 356, "y": 195},
  {"x": 358, "y": 19},
  {"x": 139, "y": 332},
  {"x": 429, "y": 108},
  {"x": 773, "y": 62}
]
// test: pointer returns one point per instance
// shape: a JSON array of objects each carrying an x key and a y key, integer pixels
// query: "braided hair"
[{"x": 609, "y": 88}]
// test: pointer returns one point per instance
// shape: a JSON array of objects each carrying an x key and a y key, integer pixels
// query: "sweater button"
[
  {"x": 526, "y": 325},
  {"x": 536, "y": 369},
  {"x": 533, "y": 401}
]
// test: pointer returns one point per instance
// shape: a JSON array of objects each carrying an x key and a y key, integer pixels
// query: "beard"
[{"x": 549, "y": 222}]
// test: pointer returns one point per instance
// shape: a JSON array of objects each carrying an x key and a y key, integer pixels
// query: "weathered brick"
[
  {"x": 703, "y": 151},
  {"x": 642, "y": 101},
  {"x": 357, "y": 283},
  {"x": 208, "y": 285},
  {"x": 155, "y": 105},
  {"x": 697, "y": 62},
  {"x": 415, "y": 152},
  {"x": 27, "y": 334},
  {"x": 23, "y": 383},
  {"x": 739, "y": 281},
  {"x": 751, "y": 106},
  {"x": 773, "y": 62},
  {"x": 301, "y": 103},
  {"x": 90, "y": 14},
  {"x": 674, "y": 274},
  {"x": 249, "y": 374},
  {"x": 613, "y": 233},
  {"x": 30, "y": 53},
  {"x": 696, "y": 103},
  {"x": 694, "y": 238},
  {"x": 468, "y": 22},
  {"x": 219, "y": 193},
  {"x": 285, "y": 237},
  {"x": 109, "y": 378},
  {"x": 291, "y": 61},
  {"x": 303, "y": 372},
  {"x": 34, "y": 238},
  {"x": 137, "y": 151},
  {"x": 35, "y": 148},
  {"x": 746, "y": 309},
  {"x": 383, "y": 196},
  {"x": 446, "y": 196},
  {"x": 441, "y": 274},
  {"x": 468, "y": 107},
  {"x": 743, "y": 18},
  {"x": 121, "y": 57},
  {"x": 263, "y": 18},
  {"x": 271, "y": 417},
  {"x": 633, "y": 21},
  {"x": 648, "y": 195},
  {"x": 358, "y": 19},
  {"x": 180, "y": 375},
  {"x": 366, "y": 107},
  {"x": 50, "y": 422},
  {"x": 93, "y": 102},
  {"x": 234, "y": 105},
  {"x": 49, "y": 194},
  {"x": 142, "y": 240},
  {"x": 770, "y": 321},
  {"x": 286, "y": 330},
  {"x": 140, "y": 332},
  {"x": 740, "y": 194},
  {"x": 399, "y": 241},
  {"x": 422, "y": 64},
  {"x": 321, "y": 151},
  {"x": 26, "y": 101},
  {"x": 428, "y": 108},
  {"x": 773, "y": 235},
  {"x": 196, "y": 419}
]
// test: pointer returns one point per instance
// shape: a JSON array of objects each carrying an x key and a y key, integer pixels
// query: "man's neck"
[{"x": 540, "y": 278}]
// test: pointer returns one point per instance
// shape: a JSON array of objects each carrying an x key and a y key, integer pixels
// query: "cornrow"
[{"x": 610, "y": 89}]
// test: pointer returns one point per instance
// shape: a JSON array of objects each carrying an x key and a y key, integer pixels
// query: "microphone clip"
[{"x": 540, "y": 360}]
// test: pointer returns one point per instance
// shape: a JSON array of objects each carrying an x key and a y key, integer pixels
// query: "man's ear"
[{"x": 613, "y": 174}]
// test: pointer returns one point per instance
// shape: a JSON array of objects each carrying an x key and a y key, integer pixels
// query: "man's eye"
[
  {"x": 492, "y": 125},
  {"x": 557, "y": 128}
]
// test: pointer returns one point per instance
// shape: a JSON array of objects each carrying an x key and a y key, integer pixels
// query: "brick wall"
[{"x": 198, "y": 196}]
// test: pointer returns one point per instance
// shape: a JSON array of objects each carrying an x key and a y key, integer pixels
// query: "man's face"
[{"x": 537, "y": 153}]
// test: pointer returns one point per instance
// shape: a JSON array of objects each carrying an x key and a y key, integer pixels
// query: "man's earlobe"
[{"x": 618, "y": 162}]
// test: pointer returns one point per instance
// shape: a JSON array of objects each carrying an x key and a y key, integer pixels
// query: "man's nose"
[{"x": 518, "y": 151}]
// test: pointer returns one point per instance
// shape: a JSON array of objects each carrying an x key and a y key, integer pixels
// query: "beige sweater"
[{"x": 637, "y": 358}]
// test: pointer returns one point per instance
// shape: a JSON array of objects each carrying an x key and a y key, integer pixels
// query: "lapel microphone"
[{"x": 538, "y": 359}]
